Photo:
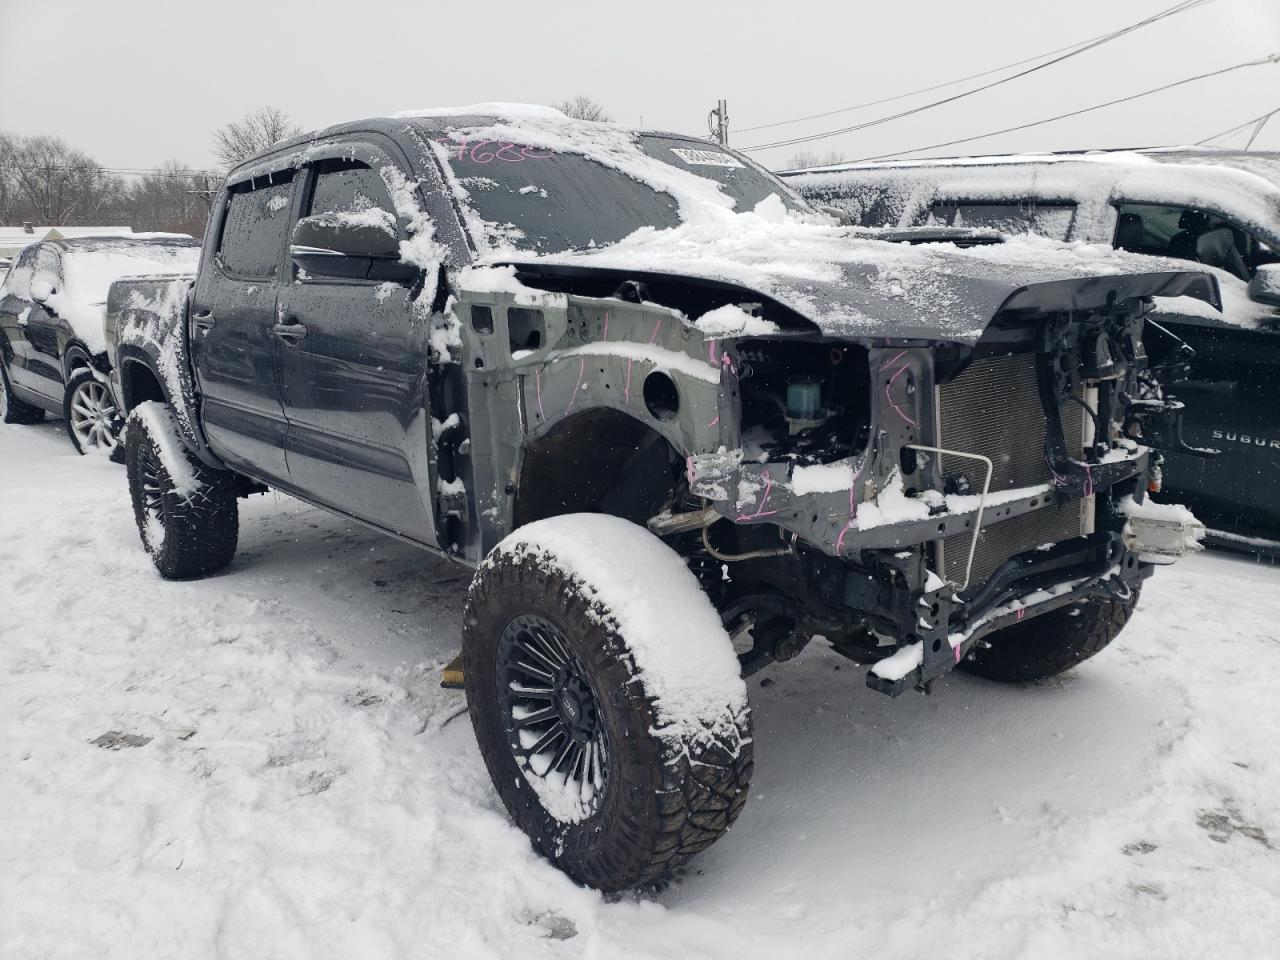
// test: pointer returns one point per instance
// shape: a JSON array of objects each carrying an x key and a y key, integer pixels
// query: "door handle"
[{"x": 290, "y": 331}]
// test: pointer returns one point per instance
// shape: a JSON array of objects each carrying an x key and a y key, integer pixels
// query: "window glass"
[
  {"x": 546, "y": 200},
  {"x": 1053, "y": 220},
  {"x": 343, "y": 186},
  {"x": 1185, "y": 233},
  {"x": 255, "y": 225}
]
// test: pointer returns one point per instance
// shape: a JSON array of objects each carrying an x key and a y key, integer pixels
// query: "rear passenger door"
[
  {"x": 233, "y": 318},
  {"x": 354, "y": 374},
  {"x": 37, "y": 356}
]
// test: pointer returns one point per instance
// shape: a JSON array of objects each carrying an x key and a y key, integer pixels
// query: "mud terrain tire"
[
  {"x": 186, "y": 512},
  {"x": 1047, "y": 645},
  {"x": 663, "y": 796}
]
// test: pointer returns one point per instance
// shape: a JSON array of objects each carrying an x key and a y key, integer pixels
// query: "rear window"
[
  {"x": 1045, "y": 219},
  {"x": 348, "y": 186},
  {"x": 254, "y": 228}
]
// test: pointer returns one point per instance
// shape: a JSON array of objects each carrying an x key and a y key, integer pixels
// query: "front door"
[
  {"x": 354, "y": 370},
  {"x": 233, "y": 318}
]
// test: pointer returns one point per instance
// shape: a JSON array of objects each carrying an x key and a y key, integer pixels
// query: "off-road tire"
[
  {"x": 1052, "y": 643},
  {"x": 89, "y": 410},
  {"x": 13, "y": 410},
  {"x": 197, "y": 529},
  {"x": 658, "y": 807}
]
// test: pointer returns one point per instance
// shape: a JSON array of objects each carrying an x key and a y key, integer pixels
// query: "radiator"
[{"x": 993, "y": 408}]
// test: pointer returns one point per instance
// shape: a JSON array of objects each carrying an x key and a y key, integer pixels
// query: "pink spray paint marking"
[
  {"x": 657, "y": 325},
  {"x": 711, "y": 352},
  {"x": 888, "y": 396},
  {"x": 626, "y": 390},
  {"x": 890, "y": 363},
  {"x": 582, "y": 368},
  {"x": 715, "y": 422},
  {"x": 764, "y": 502},
  {"x": 853, "y": 510},
  {"x": 605, "y": 336},
  {"x": 1022, "y": 612},
  {"x": 688, "y": 471},
  {"x": 956, "y": 651}
]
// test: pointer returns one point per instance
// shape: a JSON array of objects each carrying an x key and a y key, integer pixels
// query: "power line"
[
  {"x": 914, "y": 93},
  {"x": 1274, "y": 58},
  {"x": 1259, "y": 121},
  {"x": 1177, "y": 8}
]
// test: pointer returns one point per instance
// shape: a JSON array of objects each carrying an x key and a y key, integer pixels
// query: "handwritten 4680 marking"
[{"x": 507, "y": 152}]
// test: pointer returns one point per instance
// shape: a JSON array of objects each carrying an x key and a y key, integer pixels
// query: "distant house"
[{"x": 13, "y": 239}]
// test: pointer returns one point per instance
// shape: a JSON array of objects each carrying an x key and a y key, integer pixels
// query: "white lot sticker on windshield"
[{"x": 705, "y": 158}]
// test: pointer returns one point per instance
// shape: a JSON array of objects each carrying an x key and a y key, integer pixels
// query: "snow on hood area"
[
  {"x": 263, "y": 764},
  {"x": 852, "y": 286},
  {"x": 89, "y": 271}
]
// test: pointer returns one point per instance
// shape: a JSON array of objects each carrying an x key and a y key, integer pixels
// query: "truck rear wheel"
[
  {"x": 1052, "y": 643},
  {"x": 186, "y": 512},
  {"x": 606, "y": 699}
]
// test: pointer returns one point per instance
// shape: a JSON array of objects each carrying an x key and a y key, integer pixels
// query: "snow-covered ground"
[{"x": 261, "y": 765}]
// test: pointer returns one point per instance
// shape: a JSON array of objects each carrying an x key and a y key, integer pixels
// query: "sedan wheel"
[{"x": 93, "y": 419}]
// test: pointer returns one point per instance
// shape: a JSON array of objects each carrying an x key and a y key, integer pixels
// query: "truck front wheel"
[
  {"x": 1053, "y": 642},
  {"x": 186, "y": 512},
  {"x": 606, "y": 699}
]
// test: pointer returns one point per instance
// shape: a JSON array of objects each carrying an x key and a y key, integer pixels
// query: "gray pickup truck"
[{"x": 678, "y": 422}]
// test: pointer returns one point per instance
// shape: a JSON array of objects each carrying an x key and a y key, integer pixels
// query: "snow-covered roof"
[
  {"x": 13, "y": 239},
  {"x": 1244, "y": 186},
  {"x": 89, "y": 265},
  {"x": 1264, "y": 164}
]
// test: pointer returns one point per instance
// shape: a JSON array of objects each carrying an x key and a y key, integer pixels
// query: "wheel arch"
[{"x": 599, "y": 460}]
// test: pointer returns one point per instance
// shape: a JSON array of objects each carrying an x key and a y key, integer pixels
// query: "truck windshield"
[{"x": 547, "y": 202}]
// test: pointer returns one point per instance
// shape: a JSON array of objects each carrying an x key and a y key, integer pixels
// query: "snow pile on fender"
[{"x": 682, "y": 655}]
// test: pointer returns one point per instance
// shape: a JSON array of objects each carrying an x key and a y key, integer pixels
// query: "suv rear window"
[
  {"x": 1045, "y": 219},
  {"x": 254, "y": 229}
]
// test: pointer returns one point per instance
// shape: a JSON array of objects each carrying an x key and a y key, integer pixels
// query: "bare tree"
[
  {"x": 171, "y": 198},
  {"x": 252, "y": 133},
  {"x": 8, "y": 184},
  {"x": 57, "y": 183},
  {"x": 583, "y": 108},
  {"x": 805, "y": 159}
]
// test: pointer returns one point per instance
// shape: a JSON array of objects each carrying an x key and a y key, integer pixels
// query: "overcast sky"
[{"x": 135, "y": 82}]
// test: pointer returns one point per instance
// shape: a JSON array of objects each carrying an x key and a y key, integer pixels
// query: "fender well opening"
[
  {"x": 598, "y": 461},
  {"x": 138, "y": 385}
]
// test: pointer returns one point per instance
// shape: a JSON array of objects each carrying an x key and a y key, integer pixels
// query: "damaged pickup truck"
[{"x": 678, "y": 422}]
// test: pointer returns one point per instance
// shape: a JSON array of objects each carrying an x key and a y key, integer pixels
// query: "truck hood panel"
[{"x": 858, "y": 288}]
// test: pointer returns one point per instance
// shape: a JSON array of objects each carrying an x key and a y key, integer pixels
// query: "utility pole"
[{"x": 718, "y": 122}]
